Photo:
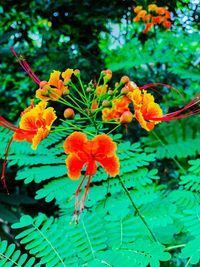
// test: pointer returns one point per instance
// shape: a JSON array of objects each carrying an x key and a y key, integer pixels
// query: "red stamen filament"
[
  {"x": 3, "y": 178},
  {"x": 150, "y": 85},
  {"x": 6, "y": 124},
  {"x": 26, "y": 67}
]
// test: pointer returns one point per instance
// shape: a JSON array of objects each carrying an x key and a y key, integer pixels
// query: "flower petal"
[
  {"x": 110, "y": 164},
  {"x": 74, "y": 166},
  {"x": 75, "y": 142},
  {"x": 54, "y": 78},
  {"x": 41, "y": 134},
  {"x": 102, "y": 144}
]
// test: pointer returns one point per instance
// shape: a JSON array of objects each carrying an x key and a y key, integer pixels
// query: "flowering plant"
[
  {"x": 96, "y": 104},
  {"x": 154, "y": 15}
]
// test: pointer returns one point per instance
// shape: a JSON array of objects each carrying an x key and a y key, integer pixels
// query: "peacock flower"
[
  {"x": 86, "y": 153},
  {"x": 55, "y": 87},
  {"x": 167, "y": 14},
  {"x": 148, "y": 26},
  {"x": 142, "y": 14},
  {"x": 137, "y": 9},
  {"x": 129, "y": 87},
  {"x": 167, "y": 24},
  {"x": 157, "y": 19},
  {"x": 94, "y": 105},
  {"x": 148, "y": 113},
  {"x": 152, "y": 7},
  {"x": 101, "y": 89},
  {"x": 145, "y": 108},
  {"x": 107, "y": 75},
  {"x": 34, "y": 126},
  {"x": 119, "y": 106}
]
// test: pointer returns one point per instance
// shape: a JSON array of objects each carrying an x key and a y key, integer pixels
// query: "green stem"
[
  {"x": 137, "y": 212},
  {"x": 114, "y": 128},
  {"x": 175, "y": 247},
  {"x": 177, "y": 163}
]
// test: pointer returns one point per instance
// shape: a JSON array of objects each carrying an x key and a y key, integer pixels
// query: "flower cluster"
[
  {"x": 96, "y": 104},
  {"x": 154, "y": 15}
]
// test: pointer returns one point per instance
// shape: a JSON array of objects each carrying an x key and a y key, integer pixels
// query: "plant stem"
[
  {"x": 175, "y": 247},
  {"x": 137, "y": 212},
  {"x": 173, "y": 158}
]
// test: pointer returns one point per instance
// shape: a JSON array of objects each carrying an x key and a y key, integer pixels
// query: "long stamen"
[
  {"x": 3, "y": 178},
  {"x": 6, "y": 124},
  {"x": 23, "y": 63},
  {"x": 77, "y": 194},
  {"x": 85, "y": 194},
  {"x": 150, "y": 85}
]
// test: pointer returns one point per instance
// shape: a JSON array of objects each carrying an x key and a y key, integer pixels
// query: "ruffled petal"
[
  {"x": 74, "y": 166},
  {"x": 54, "y": 78},
  {"x": 110, "y": 164},
  {"x": 49, "y": 116},
  {"x": 103, "y": 145},
  {"x": 41, "y": 134},
  {"x": 75, "y": 142},
  {"x": 66, "y": 75}
]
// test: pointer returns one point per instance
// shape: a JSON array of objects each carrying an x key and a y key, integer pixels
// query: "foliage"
[{"x": 159, "y": 170}]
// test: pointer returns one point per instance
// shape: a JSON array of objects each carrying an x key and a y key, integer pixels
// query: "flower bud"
[
  {"x": 110, "y": 92},
  {"x": 69, "y": 113},
  {"x": 77, "y": 72},
  {"x": 125, "y": 90},
  {"x": 94, "y": 105},
  {"x": 126, "y": 117},
  {"x": 105, "y": 103},
  {"x": 107, "y": 75},
  {"x": 89, "y": 89},
  {"x": 124, "y": 79}
]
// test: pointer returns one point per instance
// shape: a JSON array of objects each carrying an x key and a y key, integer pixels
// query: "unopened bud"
[
  {"x": 110, "y": 92},
  {"x": 69, "y": 113},
  {"x": 105, "y": 103},
  {"x": 126, "y": 117},
  {"x": 124, "y": 91},
  {"x": 77, "y": 72},
  {"x": 116, "y": 84},
  {"x": 107, "y": 75},
  {"x": 89, "y": 89},
  {"x": 124, "y": 79},
  {"x": 94, "y": 105}
]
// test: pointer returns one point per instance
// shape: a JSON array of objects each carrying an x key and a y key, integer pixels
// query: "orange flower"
[
  {"x": 147, "y": 27},
  {"x": 129, "y": 87},
  {"x": 34, "y": 126},
  {"x": 119, "y": 106},
  {"x": 152, "y": 7},
  {"x": 157, "y": 19},
  {"x": 94, "y": 105},
  {"x": 55, "y": 87},
  {"x": 107, "y": 75},
  {"x": 101, "y": 89},
  {"x": 145, "y": 109},
  {"x": 167, "y": 24},
  {"x": 83, "y": 152},
  {"x": 161, "y": 10},
  {"x": 137, "y": 9}
]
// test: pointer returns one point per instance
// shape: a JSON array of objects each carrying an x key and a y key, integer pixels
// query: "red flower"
[{"x": 83, "y": 152}]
